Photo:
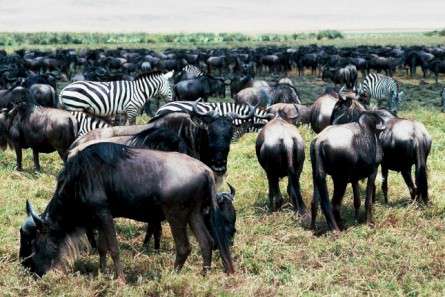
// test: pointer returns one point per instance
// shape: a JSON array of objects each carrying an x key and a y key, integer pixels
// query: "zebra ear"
[{"x": 169, "y": 74}]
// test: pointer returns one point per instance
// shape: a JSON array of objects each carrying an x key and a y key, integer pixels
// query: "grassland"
[
  {"x": 275, "y": 254},
  {"x": 47, "y": 40}
]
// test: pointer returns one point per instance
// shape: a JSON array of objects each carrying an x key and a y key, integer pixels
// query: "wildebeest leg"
[
  {"x": 153, "y": 228},
  {"x": 90, "y": 235},
  {"x": 109, "y": 232},
  {"x": 337, "y": 197},
  {"x": 356, "y": 191},
  {"x": 18, "y": 154},
  {"x": 35, "y": 155},
  {"x": 102, "y": 248},
  {"x": 275, "y": 200},
  {"x": 385, "y": 183},
  {"x": 294, "y": 192},
  {"x": 406, "y": 173},
  {"x": 177, "y": 219},
  {"x": 204, "y": 239},
  {"x": 369, "y": 193}
]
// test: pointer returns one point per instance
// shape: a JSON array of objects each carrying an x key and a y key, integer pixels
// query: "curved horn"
[
  {"x": 232, "y": 190},
  {"x": 30, "y": 212}
]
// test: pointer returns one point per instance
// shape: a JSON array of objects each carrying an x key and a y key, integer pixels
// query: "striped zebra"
[
  {"x": 222, "y": 108},
  {"x": 381, "y": 87},
  {"x": 192, "y": 70},
  {"x": 86, "y": 122},
  {"x": 107, "y": 99}
]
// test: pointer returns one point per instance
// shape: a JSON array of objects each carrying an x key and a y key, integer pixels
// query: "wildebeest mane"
[{"x": 162, "y": 139}]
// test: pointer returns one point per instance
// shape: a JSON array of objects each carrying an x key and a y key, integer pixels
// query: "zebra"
[
  {"x": 222, "y": 108},
  {"x": 107, "y": 99},
  {"x": 380, "y": 87},
  {"x": 193, "y": 70},
  {"x": 86, "y": 122}
]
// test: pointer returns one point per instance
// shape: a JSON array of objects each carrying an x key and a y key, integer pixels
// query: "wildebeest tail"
[
  {"x": 217, "y": 226},
  {"x": 422, "y": 150}
]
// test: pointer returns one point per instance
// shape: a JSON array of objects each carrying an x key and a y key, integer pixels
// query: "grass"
[
  {"x": 275, "y": 254},
  {"x": 49, "y": 40}
]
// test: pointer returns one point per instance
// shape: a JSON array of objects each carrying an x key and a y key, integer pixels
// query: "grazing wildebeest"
[
  {"x": 437, "y": 67},
  {"x": 202, "y": 87},
  {"x": 108, "y": 180},
  {"x": 348, "y": 153},
  {"x": 280, "y": 151},
  {"x": 228, "y": 212},
  {"x": 13, "y": 96},
  {"x": 45, "y": 130}
]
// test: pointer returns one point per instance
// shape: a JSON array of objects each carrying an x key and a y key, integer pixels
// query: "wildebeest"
[
  {"x": 348, "y": 153},
  {"x": 346, "y": 76},
  {"x": 405, "y": 143},
  {"x": 266, "y": 96},
  {"x": 321, "y": 111},
  {"x": 228, "y": 212},
  {"x": 202, "y": 87},
  {"x": 45, "y": 130},
  {"x": 239, "y": 83},
  {"x": 106, "y": 181},
  {"x": 301, "y": 113},
  {"x": 13, "y": 96},
  {"x": 280, "y": 151},
  {"x": 43, "y": 95}
]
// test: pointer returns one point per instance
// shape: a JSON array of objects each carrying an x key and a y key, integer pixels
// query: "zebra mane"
[{"x": 149, "y": 74}]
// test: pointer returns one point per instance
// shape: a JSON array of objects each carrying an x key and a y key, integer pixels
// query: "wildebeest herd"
[{"x": 170, "y": 168}]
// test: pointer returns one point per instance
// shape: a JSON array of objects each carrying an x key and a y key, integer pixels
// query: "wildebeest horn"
[
  {"x": 30, "y": 212},
  {"x": 210, "y": 113},
  {"x": 251, "y": 113},
  {"x": 232, "y": 190}
]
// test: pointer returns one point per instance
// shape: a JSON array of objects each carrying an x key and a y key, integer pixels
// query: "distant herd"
[{"x": 172, "y": 167}]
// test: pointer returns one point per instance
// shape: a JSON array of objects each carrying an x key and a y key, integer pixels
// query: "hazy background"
[{"x": 250, "y": 16}]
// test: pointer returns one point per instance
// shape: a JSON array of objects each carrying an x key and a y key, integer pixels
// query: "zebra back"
[
  {"x": 223, "y": 109},
  {"x": 87, "y": 123}
]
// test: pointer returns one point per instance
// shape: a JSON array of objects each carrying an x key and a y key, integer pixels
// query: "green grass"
[
  {"x": 275, "y": 254},
  {"x": 49, "y": 40}
]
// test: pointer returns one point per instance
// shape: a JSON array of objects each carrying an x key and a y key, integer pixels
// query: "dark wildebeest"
[
  {"x": 202, "y": 87},
  {"x": 109, "y": 180},
  {"x": 301, "y": 113},
  {"x": 346, "y": 76},
  {"x": 13, "y": 96},
  {"x": 239, "y": 83},
  {"x": 266, "y": 96},
  {"x": 348, "y": 153},
  {"x": 228, "y": 212},
  {"x": 45, "y": 130},
  {"x": 43, "y": 95},
  {"x": 321, "y": 111},
  {"x": 405, "y": 143},
  {"x": 437, "y": 67},
  {"x": 280, "y": 151}
]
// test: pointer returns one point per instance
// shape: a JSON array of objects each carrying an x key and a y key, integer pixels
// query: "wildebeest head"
[
  {"x": 225, "y": 203},
  {"x": 228, "y": 212},
  {"x": 38, "y": 249},
  {"x": 215, "y": 141}
]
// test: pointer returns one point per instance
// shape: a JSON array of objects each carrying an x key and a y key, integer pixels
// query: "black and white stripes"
[
  {"x": 193, "y": 71},
  {"x": 222, "y": 108},
  {"x": 107, "y": 99},
  {"x": 381, "y": 87},
  {"x": 87, "y": 123}
]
